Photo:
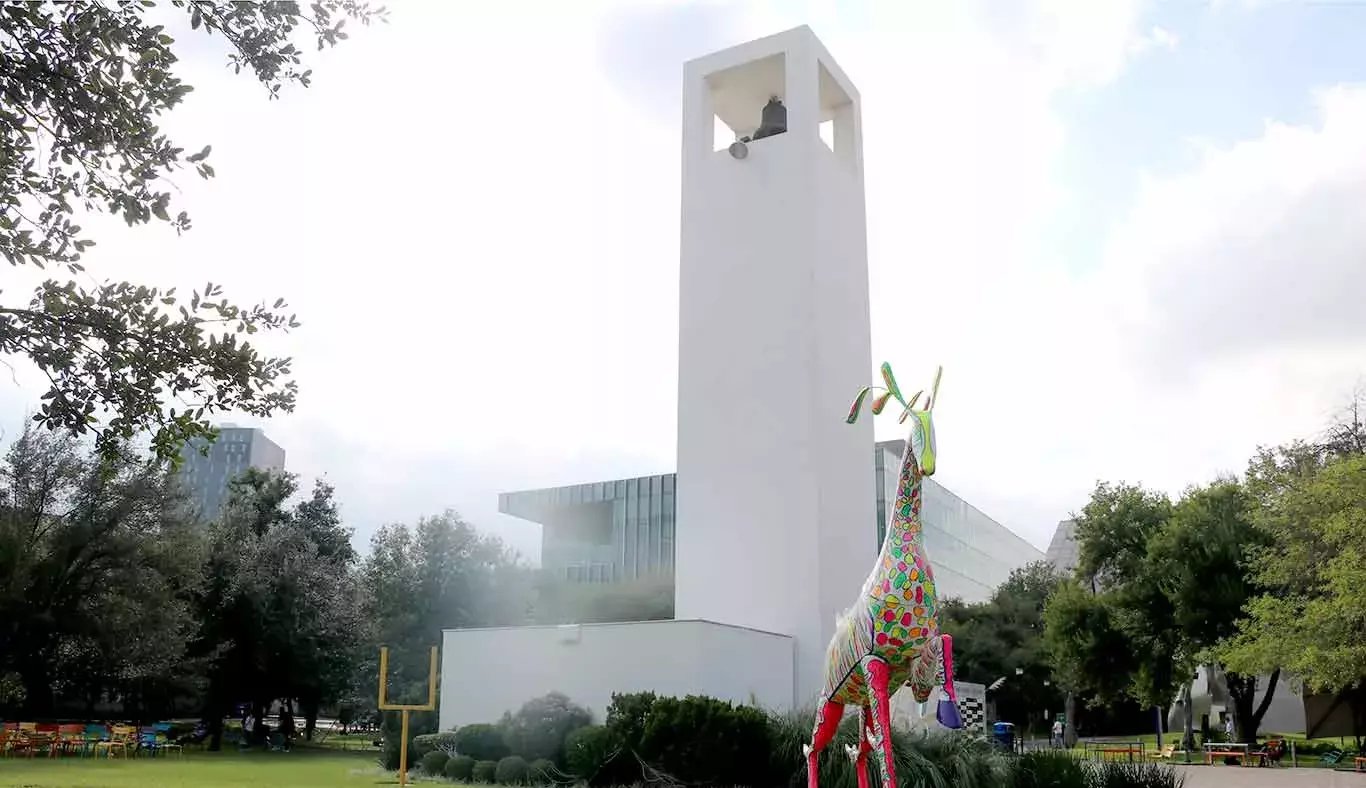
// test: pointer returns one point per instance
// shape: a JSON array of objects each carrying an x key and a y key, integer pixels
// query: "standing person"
[
  {"x": 1055, "y": 735},
  {"x": 1228, "y": 727}
]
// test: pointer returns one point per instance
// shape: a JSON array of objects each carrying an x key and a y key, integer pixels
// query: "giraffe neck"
[{"x": 905, "y": 527}]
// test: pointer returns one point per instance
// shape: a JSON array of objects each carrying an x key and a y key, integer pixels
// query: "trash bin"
[{"x": 1004, "y": 734}]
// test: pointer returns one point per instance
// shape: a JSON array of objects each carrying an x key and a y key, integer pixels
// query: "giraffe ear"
[{"x": 858, "y": 405}]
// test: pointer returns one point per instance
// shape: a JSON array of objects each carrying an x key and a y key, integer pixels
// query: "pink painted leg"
[
  {"x": 828, "y": 715},
  {"x": 879, "y": 679},
  {"x": 865, "y": 733}
]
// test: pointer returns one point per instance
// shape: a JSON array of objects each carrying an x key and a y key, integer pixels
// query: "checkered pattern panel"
[{"x": 973, "y": 712}]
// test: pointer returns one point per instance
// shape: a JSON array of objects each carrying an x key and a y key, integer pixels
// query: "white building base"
[{"x": 486, "y": 672}]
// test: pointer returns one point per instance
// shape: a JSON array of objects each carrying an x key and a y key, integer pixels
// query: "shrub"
[
  {"x": 542, "y": 772},
  {"x": 626, "y": 716},
  {"x": 704, "y": 740},
  {"x": 434, "y": 763},
  {"x": 512, "y": 770},
  {"x": 432, "y": 742},
  {"x": 1048, "y": 769},
  {"x": 593, "y": 754},
  {"x": 484, "y": 771},
  {"x": 961, "y": 759},
  {"x": 538, "y": 729},
  {"x": 482, "y": 742},
  {"x": 460, "y": 768}
]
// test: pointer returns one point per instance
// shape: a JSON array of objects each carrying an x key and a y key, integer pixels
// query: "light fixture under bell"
[{"x": 738, "y": 150}]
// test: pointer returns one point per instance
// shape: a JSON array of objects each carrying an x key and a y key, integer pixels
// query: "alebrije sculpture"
[{"x": 890, "y": 635}]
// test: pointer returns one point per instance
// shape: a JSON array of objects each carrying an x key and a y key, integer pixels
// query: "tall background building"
[{"x": 206, "y": 475}]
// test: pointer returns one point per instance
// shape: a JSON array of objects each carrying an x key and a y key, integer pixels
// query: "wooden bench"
[
  {"x": 1359, "y": 763},
  {"x": 1127, "y": 751},
  {"x": 1241, "y": 755}
]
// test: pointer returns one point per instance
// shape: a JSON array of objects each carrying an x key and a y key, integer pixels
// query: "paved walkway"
[{"x": 1237, "y": 777}]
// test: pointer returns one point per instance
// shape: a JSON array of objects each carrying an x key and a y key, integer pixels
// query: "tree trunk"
[
  {"x": 1188, "y": 720},
  {"x": 1242, "y": 691},
  {"x": 310, "y": 719},
  {"x": 1069, "y": 733},
  {"x": 213, "y": 718}
]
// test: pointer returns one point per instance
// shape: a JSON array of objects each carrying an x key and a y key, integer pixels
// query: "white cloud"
[{"x": 475, "y": 212}]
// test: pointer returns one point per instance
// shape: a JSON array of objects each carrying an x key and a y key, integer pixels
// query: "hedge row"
[{"x": 705, "y": 741}]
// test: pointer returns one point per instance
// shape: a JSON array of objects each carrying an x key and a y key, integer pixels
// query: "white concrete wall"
[
  {"x": 777, "y": 491},
  {"x": 485, "y": 672}
]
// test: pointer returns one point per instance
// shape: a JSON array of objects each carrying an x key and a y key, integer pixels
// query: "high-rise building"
[
  {"x": 625, "y": 529},
  {"x": 207, "y": 474}
]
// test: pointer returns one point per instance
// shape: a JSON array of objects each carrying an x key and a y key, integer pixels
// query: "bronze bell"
[{"x": 774, "y": 120}]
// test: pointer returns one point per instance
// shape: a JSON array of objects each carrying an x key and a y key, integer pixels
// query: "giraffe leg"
[
  {"x": 947, "y": 713},
  {"x": 828, "y": 714},
  {"x": 859, "y": 754},
  {"x": 879, "y": 679}
]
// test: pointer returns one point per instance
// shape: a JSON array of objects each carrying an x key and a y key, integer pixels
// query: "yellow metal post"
[
  {"x": 403, "y": 752},
  {"x": 404, "y": 709}
]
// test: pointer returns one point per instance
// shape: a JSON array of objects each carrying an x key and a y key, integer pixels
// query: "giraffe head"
[{"x": 920, "y": 446}]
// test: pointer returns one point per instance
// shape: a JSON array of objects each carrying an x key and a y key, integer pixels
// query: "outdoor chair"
[
  {"x": 117, "y": 741},
  {"x": 70, "y": 739}
]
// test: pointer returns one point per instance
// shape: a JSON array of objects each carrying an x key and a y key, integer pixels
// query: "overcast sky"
[{"x": 1140, "y": 225}]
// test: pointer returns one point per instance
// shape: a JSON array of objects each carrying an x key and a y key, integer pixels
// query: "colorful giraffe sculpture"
[{"x": 890, "y": 635}]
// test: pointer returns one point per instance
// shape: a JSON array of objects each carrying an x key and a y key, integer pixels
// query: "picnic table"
[{"x": 1226, "y": 749}]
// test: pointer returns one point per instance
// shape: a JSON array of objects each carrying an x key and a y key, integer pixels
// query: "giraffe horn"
[
  {"x": 890, "y": 380},
  {"x": 909, "y": 406}
]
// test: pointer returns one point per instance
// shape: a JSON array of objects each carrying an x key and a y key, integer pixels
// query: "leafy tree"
[
  {"x": 1200, "y": 560},
  {"x": 282, "y": 614},
  {"x": 92, "y": 548},
  {"x": 1312, "y": 619},
  {"x": 996, "y": 638},
  {"x": 1113, "y": 531},
  {"x": 83, "y": 87},
  {"x": 1089, "y": 652},
  {"x": 442, "y": 574}
]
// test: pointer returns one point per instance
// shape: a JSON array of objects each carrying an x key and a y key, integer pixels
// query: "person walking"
[{"x": 1055, "y": 735}]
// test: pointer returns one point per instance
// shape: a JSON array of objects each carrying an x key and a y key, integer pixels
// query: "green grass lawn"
[{"x": 302, "y": 768}]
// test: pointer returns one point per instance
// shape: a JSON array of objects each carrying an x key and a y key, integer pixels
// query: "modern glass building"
[{"x": 617, "y": 531}]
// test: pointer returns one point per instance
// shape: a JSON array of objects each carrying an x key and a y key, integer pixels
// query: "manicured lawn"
[{"x": 302, "y": 768}]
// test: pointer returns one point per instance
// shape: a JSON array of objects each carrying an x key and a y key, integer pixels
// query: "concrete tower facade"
[{"x": 773, "y": 345}]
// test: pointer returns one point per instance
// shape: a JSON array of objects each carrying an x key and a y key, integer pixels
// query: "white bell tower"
[{"x": 776, "y": 500}]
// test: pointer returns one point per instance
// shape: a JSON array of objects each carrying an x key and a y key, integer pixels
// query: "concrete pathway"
[{"x": 1237, "y": 777}]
